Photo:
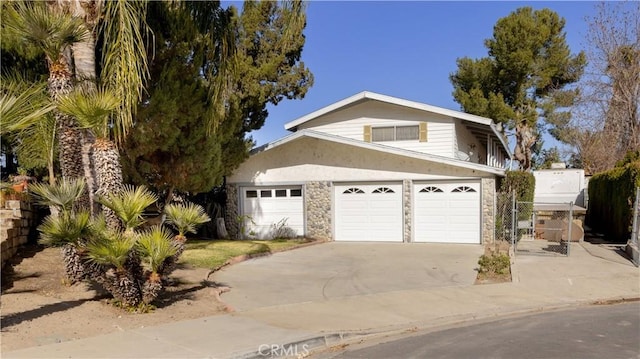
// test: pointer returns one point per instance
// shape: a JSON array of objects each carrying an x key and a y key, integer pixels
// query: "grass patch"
[{"x": 211, "y": 254}]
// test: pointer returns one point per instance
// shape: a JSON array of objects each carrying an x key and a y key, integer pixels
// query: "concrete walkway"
[{"x": 589, "y": 275}]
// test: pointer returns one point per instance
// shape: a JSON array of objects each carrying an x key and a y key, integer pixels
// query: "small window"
[
  {"x": 252, "y": 194},
  {"x": 430, "y": 189},
  {"x": 383, "y": 190},
  {"x": 265, "y": 193},
  {"x": 353, "y": 190},
  {"x": 296, "y": 193},
  {"x": 281, "y": 193},
  {"x": 381, "y": 134},
  {"x": 407, "y": 133},
  {"x": 395, "y": 133},
  {"x": 463, "y": 189}
]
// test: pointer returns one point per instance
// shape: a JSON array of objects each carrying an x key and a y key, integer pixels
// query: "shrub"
[
  {"x": 611, "y": 198},
  {"x": 523, "y": 183},
  {"x": 495, "y": 263}
]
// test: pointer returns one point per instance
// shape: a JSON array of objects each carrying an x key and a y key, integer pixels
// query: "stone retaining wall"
[{"x": 16, "y": 219}]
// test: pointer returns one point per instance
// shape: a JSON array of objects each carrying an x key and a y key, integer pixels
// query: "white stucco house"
[{"x": 374, "y": 168}]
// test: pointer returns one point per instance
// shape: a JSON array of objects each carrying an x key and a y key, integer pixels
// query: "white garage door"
[
  {"x": 368, "y": 212},
  {"x": 265, "y": 209},
  {"x": 447, "y": 212}
]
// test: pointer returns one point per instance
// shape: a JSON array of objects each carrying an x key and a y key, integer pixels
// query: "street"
[{"x": 607, "y": 331}]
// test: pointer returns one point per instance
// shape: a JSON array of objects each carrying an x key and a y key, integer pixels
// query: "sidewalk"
[{"x": 591, "y": 274}]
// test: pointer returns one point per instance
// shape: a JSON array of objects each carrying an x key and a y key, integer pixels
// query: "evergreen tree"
[
  {"x": 174, "y": 145},
  {"x": 523, "y": 79}
]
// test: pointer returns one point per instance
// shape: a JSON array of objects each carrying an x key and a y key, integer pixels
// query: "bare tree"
[{"x": 606, "y": 122}]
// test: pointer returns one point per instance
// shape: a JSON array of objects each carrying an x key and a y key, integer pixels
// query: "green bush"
[
  {"x": 524, "y": 183},
  {"x": 494, "y": 264},
  {"x": 611, "y": 198}
]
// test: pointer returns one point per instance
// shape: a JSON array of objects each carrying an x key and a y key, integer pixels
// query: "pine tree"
[{"x": 524, "y": 77}]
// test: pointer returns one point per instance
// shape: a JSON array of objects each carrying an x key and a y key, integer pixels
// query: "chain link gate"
[{"x": 532, "y": 228}]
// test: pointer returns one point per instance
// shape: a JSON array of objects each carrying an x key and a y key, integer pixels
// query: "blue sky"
[{"x": 401, "y": 49}]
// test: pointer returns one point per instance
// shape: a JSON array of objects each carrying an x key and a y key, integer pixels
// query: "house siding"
[
  {"x": 311, "y": 159},
  {"x": 466, "y": 141},
  {"x": 350, "y": 123}
]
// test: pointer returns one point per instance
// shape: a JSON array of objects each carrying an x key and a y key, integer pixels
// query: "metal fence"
[{"x": 533, "y": 228}]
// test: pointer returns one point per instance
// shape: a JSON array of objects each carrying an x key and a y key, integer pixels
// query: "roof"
[
  {"x": 378, "y": 147},
  {"x": 476, "y": 124}
]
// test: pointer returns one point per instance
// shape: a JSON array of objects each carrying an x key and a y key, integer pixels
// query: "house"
[{"x": 373, "y": 168}]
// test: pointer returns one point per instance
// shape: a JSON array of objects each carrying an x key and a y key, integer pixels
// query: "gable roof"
[
  {"x": 378, "y": 147},
  {"x": 473, "y": 122}
]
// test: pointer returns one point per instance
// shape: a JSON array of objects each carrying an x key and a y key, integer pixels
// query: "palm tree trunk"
[
  {"x": 108, "y": 175},
  {"x": 70, "y": 137}
]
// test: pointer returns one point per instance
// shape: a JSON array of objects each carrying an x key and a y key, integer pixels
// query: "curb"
[{"x": 317, "y": 344}]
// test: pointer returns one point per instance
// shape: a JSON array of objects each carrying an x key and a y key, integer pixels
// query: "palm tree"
[
  {"x": 184, "y": 218},
  {"x": 92, "y": 108},
  {"x": 25, "y": 111},
  {"x": 155, "y": 246},
  {"x": 68, "y": 230},
  {"x": 54, "y": 32},
  {"x": 128, "y": 205}
]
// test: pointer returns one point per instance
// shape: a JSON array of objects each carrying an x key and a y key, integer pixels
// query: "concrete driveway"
[{"x": 334, "y": 269}]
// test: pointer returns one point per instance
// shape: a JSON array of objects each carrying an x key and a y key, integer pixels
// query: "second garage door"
[
  {"x": 447, "y": 212},
  {"x": 368, "y": 212}
]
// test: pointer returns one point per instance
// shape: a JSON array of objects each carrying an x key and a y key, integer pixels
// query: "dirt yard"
[{"x": 37, "y": 308}]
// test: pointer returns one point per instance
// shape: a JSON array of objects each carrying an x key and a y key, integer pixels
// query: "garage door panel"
[
  {"x": 447, "y": 212},
  {"x": 368, "y": 212},
  {"x": 266, "y": 207}
]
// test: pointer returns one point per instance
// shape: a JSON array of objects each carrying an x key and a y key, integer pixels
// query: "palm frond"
[
  {"x": 61, "y": 195},
  {"x": 124, "y": 57},
  {"x": 185, "y": 217},
  {"x": 91, "y": 107},
  {"x": 35, "y": 146},
  {"x": 156, "y": 245},
  {"x": 66, "y": 228},
  {"x": 129, "y": 204},
  {"x": 22, "y": 104},
  {"x": 38, "y": 24},
  {"x": 110, "y": 248}
]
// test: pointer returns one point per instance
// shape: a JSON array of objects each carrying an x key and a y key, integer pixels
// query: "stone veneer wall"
[
  {"x": 16, "y": 219},
  {"x": 488, "y": 210},
  {"x": 318, "y": 209},
  {"x": 406, "y": 193},
  {"x": 231, "y": 212}
]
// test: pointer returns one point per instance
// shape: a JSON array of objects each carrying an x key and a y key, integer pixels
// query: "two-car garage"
[{"x": 440, "y": 211}]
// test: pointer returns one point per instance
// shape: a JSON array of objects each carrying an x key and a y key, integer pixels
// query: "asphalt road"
[{"x": 605, "y": 331}]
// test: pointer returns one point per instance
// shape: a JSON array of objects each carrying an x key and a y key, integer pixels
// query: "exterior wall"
[
  {"x": 16, "y": 218},
  {"x": 488, "y": 206},
  {"x": 350, "y": 122},
  {"x": 465, "y": 141},
  {"x": 407, "y": 203},
  {"x": 310, "y": 159},
  {"x": 231, "y": 212},
  {"x": 317, "y": 202}
]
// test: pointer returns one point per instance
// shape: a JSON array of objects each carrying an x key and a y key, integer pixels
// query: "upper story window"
[
  {"x": 416, "y": 132},
  {"x": 395, "y": 133}
]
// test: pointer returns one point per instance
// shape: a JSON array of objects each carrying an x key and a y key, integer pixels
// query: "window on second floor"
[{"x": 396, "y": 133}]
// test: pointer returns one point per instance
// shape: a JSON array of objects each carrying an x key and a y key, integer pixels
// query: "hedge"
[
  {"x": 524, "y": 183},
  {"x": 611, "y": 198}
]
